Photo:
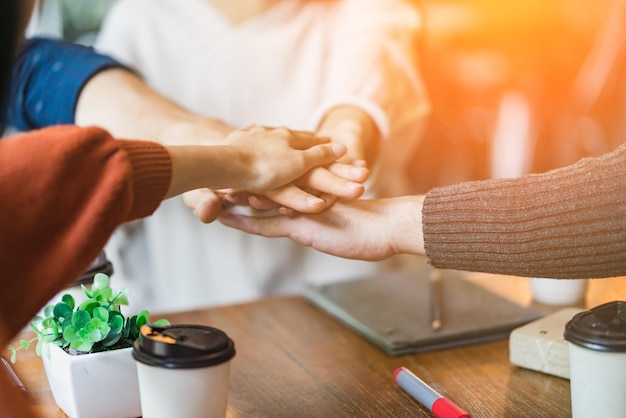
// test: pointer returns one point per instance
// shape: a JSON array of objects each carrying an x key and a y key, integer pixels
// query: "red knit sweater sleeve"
[{"x": 63, "y": 191}]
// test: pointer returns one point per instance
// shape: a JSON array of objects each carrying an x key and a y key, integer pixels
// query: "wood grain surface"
[{"x": 293, "y": 360}]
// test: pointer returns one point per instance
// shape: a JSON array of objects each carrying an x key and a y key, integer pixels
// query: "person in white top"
[{"x": 341, "y": 68}]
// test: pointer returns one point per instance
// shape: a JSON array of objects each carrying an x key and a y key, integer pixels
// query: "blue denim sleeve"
[{"x": 47, "y": 79}]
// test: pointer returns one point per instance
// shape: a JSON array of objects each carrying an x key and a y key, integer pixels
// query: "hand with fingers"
[
  {"x": 281, "y": 168},
  {"x": 370, "y": 230}
]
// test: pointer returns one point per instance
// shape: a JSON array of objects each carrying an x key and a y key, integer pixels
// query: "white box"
[{"x": 540, "y": 345}]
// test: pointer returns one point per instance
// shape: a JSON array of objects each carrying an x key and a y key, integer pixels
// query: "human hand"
[
  {"x": 266, "y": 161},
  {"x": 319, "y": 181},
  {"x": 347, "y": 125},
  {"x": 276, "y": 157},
  {"x": 363, "y": 229},
  {"x": 207, "y": 204},
  {"x": 351, "y": 126}
]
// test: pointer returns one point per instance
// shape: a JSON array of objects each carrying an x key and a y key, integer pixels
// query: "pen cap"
[
  {"x": 183, "y": 346},
  {"x": 602, "y": 328},
  {"x": 445, "y": 408}
]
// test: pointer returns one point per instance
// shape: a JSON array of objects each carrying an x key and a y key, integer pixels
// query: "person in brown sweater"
[
  {"x": 63, "y": 190},
  {"x": 565, "y": 223}
]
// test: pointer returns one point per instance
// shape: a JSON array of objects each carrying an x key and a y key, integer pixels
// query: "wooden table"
[{"x": 295, "y": 361}]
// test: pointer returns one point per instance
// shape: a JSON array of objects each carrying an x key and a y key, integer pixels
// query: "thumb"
[
  {"x": 323, "y": 154},
  {"x": 204, "y": 203}
]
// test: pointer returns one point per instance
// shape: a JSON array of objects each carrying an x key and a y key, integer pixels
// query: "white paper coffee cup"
[
  {"x": 558, "y": 291},
  {"x": 597, "y": 361},
  {"x": 183, "y": 371}
]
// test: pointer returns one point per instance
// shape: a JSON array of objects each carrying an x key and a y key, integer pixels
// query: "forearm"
[
  {"x": 405, "y": 216},
  {"x": 259, "y": 160},
  {"x": 195, "y": 167},
  {"x": 119, "y": 101},
  {"x": 59, "y": 83}
]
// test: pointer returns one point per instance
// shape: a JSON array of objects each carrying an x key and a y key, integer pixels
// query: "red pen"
[{"x": 440, "y": 407}]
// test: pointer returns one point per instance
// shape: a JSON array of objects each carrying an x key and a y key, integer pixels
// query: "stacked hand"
[
  {"x": 279, "y": 168},
  {"x": 363, "y": 229}
]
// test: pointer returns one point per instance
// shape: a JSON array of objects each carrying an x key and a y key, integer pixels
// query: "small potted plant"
[{"x": 87, "y": 352}]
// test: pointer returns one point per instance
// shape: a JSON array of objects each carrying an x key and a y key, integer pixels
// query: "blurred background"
[
  {"x": 519, "y": 86},
  {"x": 516, "y": 86}
]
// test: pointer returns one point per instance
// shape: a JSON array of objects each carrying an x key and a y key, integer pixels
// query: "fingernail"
[
  {"x": 314, "y": 201},
  {"x": 201, "y": 206},
  {"x": 354, "y": 186},
  {"x": 358, "y": 170},
  {"x": 338, "y": 149}
]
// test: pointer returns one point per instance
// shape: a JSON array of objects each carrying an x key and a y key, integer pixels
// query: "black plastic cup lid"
[
  {"x": 602, "y": 328},
  {"x": 183, "y": 346}
]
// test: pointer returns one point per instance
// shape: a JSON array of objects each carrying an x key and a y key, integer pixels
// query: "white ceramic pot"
[{"x": 96, "y": 385}]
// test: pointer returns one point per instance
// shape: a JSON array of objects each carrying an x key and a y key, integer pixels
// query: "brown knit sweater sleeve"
[{"x": 566, "y": 223}]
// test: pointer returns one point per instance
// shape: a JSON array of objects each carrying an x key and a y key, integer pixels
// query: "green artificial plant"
[{"x": 97, "y": 324}]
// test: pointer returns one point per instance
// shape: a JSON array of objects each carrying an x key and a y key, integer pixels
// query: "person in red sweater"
[{"x": 63, "y": 190}]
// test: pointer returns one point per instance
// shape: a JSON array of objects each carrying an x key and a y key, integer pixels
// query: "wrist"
[
  {"x": 407, "y": 236},
  {"x": 352, "y": 127},
  {"x": 213, "y": 167}
]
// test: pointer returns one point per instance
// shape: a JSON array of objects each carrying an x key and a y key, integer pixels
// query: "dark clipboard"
[{"x": 392, "y": 310}]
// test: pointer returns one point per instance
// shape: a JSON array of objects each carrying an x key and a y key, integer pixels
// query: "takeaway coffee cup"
[
  {"x": 597, "y": 361},
  {"x": 183, "y": 371},
  {"x": 558, "y": 291}
]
